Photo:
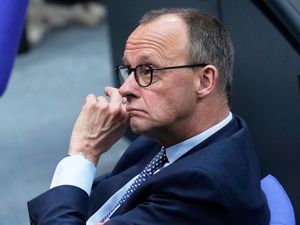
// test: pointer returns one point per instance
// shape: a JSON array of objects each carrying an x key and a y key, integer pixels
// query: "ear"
[{"x": 206, "y": 80}]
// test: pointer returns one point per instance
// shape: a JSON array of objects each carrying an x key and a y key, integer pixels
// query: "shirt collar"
[{"x": 176, "y": 151}]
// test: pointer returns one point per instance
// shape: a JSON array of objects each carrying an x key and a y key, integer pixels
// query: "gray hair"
[{"x": 209, "y": 42}]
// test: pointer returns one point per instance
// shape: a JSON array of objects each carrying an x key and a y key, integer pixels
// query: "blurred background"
[
  {"x": 64, "y": 56},
  {"x": 68, "y": 49}
]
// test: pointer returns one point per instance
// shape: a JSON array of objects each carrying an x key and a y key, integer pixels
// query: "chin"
[
  {"x": 138, "y": 126},
  {"x": 136, "y": 129},
  {"x": 145, "y": 127}
]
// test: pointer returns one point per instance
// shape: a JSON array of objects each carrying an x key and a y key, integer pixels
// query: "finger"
[
  {"x": 90, "y": 98},
  {"x": 124, "y": 100},
  {"x": 115, "y": 97},
  {"x": 117, "y": 103},
  {"x": 108, "y": 90},
  {"x": 101, "y": 100}
]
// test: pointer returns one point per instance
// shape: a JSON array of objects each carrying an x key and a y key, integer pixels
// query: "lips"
[
  {"x": 134, "y": 111},
  {"x": 130, "y": 108}
]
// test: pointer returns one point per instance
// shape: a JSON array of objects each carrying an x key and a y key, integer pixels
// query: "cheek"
[
  {"x": 162, "y": 109},
  {"x": 172, "y": 97},
  {"x": 170, "y": 104}
]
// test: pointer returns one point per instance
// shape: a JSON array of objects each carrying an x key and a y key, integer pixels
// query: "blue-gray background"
[{"x": 38, "y": 110}]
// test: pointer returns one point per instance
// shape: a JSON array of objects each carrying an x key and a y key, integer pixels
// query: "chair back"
[
  {"x": 281, "y": 209},
  {"x": 12, "y": 14}
]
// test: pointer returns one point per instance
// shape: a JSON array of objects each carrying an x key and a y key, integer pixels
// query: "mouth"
[{"x": 135, "y": 112}]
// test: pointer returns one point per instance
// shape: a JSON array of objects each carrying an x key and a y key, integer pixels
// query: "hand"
[
  {"x": 102, "y": 222},
  {"x": 100, "y": 124}
]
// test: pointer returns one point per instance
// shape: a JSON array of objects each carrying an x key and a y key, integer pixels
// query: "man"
[{"x": 176, "y": 80}]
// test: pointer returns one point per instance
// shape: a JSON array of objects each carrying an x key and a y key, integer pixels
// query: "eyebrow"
[{"x": 141, "y": 59}]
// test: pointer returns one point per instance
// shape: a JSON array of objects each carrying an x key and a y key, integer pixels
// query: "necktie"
[{"x": 156, "y": 163}]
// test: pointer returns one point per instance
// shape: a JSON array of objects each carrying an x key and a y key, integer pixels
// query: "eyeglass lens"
[{"x": 142, "y": 74}]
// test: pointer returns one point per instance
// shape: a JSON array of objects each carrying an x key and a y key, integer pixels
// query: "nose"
[{"x": 130, "y": 88}]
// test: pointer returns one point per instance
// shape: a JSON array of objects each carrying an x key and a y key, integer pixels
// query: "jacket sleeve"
[{"x": 66, "y": 205}]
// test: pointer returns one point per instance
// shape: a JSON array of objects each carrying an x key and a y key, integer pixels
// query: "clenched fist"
[{"x": 100, "y": 124}]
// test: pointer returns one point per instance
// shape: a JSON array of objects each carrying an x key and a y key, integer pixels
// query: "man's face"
[{"x": 169, "y": 101}]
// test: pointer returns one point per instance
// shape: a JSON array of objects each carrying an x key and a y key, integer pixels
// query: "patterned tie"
[{"x": 156, "y": 163}]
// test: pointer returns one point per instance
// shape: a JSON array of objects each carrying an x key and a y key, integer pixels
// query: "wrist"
[
  {"x": 86, "y": 149},
  {"x": 93, "y": 159}
]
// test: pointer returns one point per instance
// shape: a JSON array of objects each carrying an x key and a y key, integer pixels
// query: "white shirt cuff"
[{"x": 74, "y": 170}]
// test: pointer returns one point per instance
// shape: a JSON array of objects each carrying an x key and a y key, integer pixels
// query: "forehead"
[{"x": 164, "y": 39}]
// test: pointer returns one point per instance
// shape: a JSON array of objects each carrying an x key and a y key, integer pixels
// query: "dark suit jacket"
[{"x": 217, "y": 182}]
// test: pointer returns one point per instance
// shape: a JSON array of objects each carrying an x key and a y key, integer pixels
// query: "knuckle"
[
  {"x": 89, "y": 97},
  {"x": 90, "y": 104},
  {"x": 105, "y": 106},
  {"x": 100, "y": 98}
]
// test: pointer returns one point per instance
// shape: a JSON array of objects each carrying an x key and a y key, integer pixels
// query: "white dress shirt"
[{"x": 77, "y": 171}]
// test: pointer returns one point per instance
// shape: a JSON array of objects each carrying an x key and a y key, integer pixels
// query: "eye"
[{"x": 146, "y": 71}]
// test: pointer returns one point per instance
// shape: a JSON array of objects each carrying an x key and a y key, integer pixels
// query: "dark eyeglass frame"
[{"x": 151, "y": 70}]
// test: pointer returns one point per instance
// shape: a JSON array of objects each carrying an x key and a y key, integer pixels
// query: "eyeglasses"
[{"x": 143, "y": 74}]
